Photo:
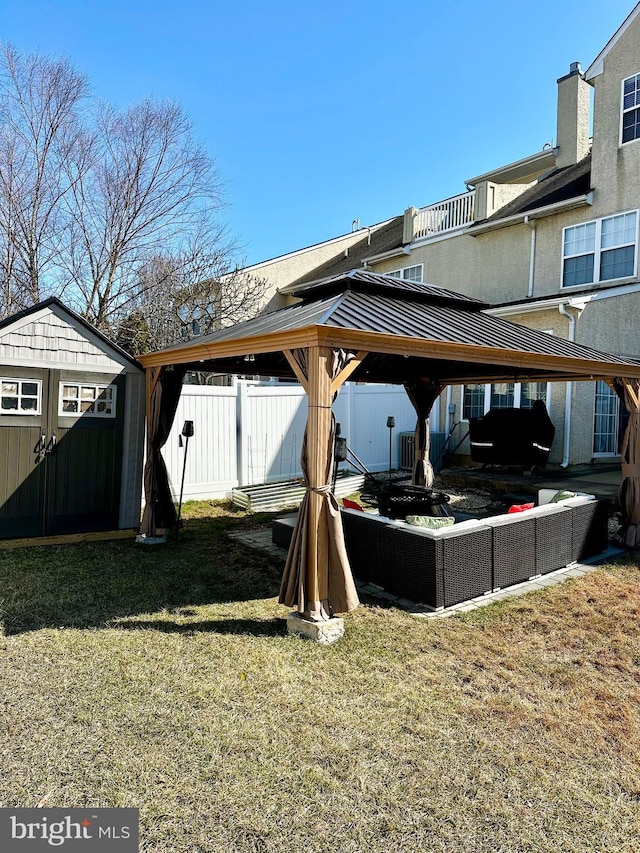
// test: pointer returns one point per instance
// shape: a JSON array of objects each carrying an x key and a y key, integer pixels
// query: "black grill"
[{"x": 521, "y": 437}]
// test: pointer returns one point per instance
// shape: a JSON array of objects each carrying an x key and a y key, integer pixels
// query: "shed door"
[
  {"x": 24, "y": 396},
  {"x": 86, "y": 417},
  {"x": 63, "y": 467}
]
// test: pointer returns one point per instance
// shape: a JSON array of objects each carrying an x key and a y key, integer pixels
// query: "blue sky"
[{"x": 320, "y": 113}]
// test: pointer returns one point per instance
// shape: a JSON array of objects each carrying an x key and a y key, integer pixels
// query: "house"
[
  {"x": 550, "y": 241},
  {"x": 71, "y": 427}
]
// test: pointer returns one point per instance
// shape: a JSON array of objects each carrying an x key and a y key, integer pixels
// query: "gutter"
[
  {"x": 383, "y": 256},
  {"x": 553, "y": 302},
  {"x": 537, "y": 213},
  {"x": 520, "y": 168}
]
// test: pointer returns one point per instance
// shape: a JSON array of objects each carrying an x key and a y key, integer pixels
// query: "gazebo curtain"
[
  {"x": 629, "y": 391},
  {"x": 317, "y": 578},
  {"x": 423, "y": 393},
  {"x": 164, "y": 385}
]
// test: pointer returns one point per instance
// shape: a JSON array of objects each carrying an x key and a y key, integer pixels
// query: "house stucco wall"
[
  {"x": 615, "y": 167},
  {"x": 286, "y": 269},
  {"x": 493, "y": 267}
]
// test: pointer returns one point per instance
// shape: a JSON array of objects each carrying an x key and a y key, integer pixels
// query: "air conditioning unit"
[{"x": 407, "y": 443}]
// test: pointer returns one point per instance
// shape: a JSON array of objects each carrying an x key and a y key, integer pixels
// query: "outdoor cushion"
[
  {"x": 562, "y": 495},
  {"x": 519, "y": 508},
  {"x": 351, "y": 505},
  {"x": 458, "y": 529},
  {"x": 433, "y": 522},
  {"x": 545, "y": 495},
  {"x": 579, "y": 500}
]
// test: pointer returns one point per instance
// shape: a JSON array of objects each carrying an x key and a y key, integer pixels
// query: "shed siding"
[
  {"x": 52, "y": 340},
  {"x": 132, "y": 452}
]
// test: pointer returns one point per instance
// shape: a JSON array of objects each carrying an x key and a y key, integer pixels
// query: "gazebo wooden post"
[
  {"x": 317, "y": 578},
  {"x": 318, "y": 432}
]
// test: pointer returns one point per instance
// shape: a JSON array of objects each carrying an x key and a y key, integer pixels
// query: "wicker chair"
[
  {"x": 514, "y": 548},
  {"x": 554, "y": 533},
  {"x": 437, "y": 568},
  {"x": 590, "y": 534}
]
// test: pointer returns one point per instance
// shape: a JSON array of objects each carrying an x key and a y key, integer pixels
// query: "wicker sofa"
[{"x": 439, "y": 568}]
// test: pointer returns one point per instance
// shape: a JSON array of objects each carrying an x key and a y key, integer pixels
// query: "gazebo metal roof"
[{"x": 409, "y": 331}]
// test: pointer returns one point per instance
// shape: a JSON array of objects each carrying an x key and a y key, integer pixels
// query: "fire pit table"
[{"x": 398, "y": 500}]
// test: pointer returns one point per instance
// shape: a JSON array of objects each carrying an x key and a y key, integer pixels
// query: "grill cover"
[{"x": 521, "y": 437}]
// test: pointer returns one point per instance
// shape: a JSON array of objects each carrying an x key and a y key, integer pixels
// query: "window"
[
  {"x": 630, "y": 109},
  {"x": 409, "y": 273},
  {"x": 532, "y": 391},
  {"x": 478, "y": 399},
  {"x": 473, "y": 402},
  {"x": 606, "y": 423},
  {"x": 502, "y": 395},
  {"x": 20, "y": 396},
  {"x": 602, "y": 250},
  {"x": 80, "y": 399}
]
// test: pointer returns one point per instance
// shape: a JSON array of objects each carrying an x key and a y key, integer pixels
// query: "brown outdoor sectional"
[{"x": 439, "y": 568}]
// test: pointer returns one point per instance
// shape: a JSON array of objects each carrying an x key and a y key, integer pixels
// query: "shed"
[{"x": 71, "y": 426}]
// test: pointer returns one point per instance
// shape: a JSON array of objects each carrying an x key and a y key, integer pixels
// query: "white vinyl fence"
[{"x": 252, "y": 433}]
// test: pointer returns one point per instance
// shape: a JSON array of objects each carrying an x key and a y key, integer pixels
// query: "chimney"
[{"x": 573, "y": 117}]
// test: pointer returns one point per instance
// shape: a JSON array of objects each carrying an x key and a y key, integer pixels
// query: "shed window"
[
  {"x": 87, "y": 399},
  {"x": 631, "y": 108},
  {"x": 20, "y": 396}
]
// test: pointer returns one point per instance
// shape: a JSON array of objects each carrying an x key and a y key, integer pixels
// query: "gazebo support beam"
[{"x": 346, "y": 372}]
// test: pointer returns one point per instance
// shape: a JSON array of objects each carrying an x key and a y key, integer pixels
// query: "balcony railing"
[{"x": 448, "y": 215}]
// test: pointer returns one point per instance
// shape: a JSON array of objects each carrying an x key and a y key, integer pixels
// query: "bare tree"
[
  {"x": 184, "y": 295},
  {"x": 150, "y": 190},
  {"x": 40, "y": 99},
  {"x": 117, "y": 211}
]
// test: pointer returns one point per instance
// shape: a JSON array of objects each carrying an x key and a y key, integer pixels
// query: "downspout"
[
  {"x": 532, "y": 257},
  {"x": 573, "y": 322}
]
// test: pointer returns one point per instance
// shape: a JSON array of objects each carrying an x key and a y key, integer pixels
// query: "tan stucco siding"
[
  {"x": 612, "y": 325},
  {"x": 286, "y": 269},
  {"x": 493, "y": 267},
  {"x": 615, "y": 167},
  {"x": 607, "y": 324},
  {"x": 549, "y": 260}
]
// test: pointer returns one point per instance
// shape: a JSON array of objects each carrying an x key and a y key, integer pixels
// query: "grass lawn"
[{"x": 162, "y": 678}]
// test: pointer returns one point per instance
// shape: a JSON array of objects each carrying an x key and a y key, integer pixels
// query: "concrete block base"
[{"x": 320, "y": 632}]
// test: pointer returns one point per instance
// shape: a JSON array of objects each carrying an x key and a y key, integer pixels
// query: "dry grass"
[{"x": 162, "y": 678}]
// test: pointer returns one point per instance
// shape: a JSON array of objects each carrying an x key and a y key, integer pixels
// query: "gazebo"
[{"x": 370, "y": 328}]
